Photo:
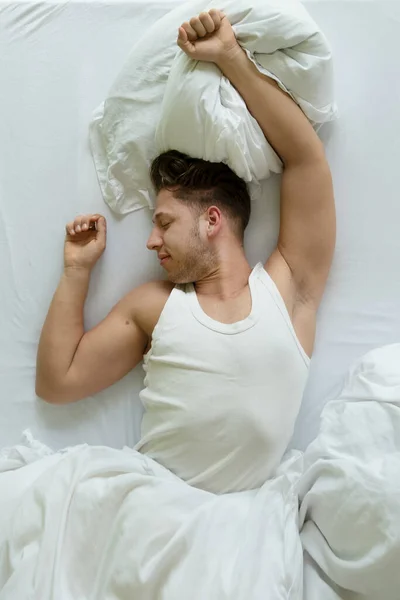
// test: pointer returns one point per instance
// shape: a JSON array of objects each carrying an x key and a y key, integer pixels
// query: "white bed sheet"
[{"x": 57, "y": 61}]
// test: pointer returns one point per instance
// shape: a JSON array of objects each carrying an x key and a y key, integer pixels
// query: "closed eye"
[{"x": 165, "y": 225}]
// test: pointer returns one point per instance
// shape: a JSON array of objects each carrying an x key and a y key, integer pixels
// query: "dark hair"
[{"x": 201, "y": 183}]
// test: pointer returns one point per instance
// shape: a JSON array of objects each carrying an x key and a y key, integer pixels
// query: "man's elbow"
[
  {"x": 46, "y": 393},
  {"x": 52, "y": 394}
]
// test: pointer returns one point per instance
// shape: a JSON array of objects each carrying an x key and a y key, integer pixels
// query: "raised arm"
[
  {"x": 301, "y": 262},
  {"x": 307, "y": 231}
]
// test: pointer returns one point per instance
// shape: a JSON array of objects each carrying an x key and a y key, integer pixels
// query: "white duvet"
[
  {"x": 97, "y": 523},
  {"x": 163, "y": 99}
]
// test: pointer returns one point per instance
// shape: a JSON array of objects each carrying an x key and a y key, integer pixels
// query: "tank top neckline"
[{"x": 227, "y": 328}]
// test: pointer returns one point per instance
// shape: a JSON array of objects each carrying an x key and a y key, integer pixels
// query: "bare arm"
[
  {"x": 300, "y": 264},
  {"x": 72, "y": 364},
  {"x": 301, "y": 261},
  {"x": 307, "y": 230}
]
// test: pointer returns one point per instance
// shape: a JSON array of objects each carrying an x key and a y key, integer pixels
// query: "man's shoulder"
[
  {"x": 147, "y": 302},
  {"x": 154, "y": 288},
  {"x": 150, "y": 294}
]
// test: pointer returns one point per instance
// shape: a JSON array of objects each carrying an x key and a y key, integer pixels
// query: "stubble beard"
[{"x": 198, "y": 262}]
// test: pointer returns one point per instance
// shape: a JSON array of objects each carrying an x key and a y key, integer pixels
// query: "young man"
[{"x": 226, "y": 347}]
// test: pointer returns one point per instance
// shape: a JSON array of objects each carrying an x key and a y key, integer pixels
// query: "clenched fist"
[
  {"x": 208, "y": 37},
  {"x": 85, "y": 241}
]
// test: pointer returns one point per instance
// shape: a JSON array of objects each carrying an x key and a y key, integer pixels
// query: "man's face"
[{"x": 179, "y": 238}]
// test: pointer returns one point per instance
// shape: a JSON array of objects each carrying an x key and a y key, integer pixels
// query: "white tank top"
[{"x": 221, "y": 399}]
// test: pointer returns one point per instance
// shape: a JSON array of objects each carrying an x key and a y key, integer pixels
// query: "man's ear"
[{"x": 214, "y": 218}]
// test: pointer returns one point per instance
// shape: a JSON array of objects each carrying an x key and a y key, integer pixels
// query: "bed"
[{"x": 57, "y": 63}]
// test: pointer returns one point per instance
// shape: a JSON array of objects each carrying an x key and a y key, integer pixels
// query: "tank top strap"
[
  {"x": 226, "y": 328},
  {"x": 270, "y": 288}
]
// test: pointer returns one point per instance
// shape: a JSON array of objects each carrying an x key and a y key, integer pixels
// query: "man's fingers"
[
  {"x": 83, "y": 223},
  {"x": 198, "y": 26},
  {"x": 191, "y": 34},
  {"x": 94, "y": 219},
  {"x": 101, "y": 226},
  {"x": 216, "y": 16},
  {"x": 77, "y": 223},
  {"x": 69, "y": 228},
  {"x": 184, "y": 43},
  {"x": 207, "y": 22},
  {"x": 182, "y": 36}
]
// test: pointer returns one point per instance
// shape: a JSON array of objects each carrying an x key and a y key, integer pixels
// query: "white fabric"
[
  {"x": 350, "y": 489},
  {"x": 58, "y": 61},
  {"x": 219, "y": 406},
  {"x": 197, "y": 110},
  {"x": 93, "y": 522}
]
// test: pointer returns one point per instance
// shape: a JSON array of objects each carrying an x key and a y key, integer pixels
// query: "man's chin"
[{"x": 178, "y": 279}]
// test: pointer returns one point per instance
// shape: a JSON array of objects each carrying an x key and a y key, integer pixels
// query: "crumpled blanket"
[
  {"x": 162, "y": 99},
  {"x": 97, "y": 523},
  {"x": 350, "y": 488}
]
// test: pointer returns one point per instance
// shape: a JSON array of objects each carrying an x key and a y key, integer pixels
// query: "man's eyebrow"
[{"x": 159, "y": 215}]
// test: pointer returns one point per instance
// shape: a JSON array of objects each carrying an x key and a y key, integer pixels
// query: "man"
[{"x": 226, "y": 358}]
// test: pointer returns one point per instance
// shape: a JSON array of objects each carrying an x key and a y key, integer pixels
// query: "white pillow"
[{"x": 163, "y": 99}]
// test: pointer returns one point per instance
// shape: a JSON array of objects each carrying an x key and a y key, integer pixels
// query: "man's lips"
[{"x": 163, "y": 258}]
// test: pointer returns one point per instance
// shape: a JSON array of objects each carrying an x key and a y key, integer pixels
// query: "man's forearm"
[
  {"x": 62, "y": 330},
  {"x": 283, "y": 123}
]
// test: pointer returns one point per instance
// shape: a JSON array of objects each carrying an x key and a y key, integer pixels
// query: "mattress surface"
[{"x": 57, "y": 63}]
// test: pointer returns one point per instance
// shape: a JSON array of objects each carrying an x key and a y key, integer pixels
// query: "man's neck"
[{"x": 228, "y": 279}]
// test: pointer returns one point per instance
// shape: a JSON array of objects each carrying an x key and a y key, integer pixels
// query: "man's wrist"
[
  {"x": 236, "y": 65},
  {"x": 76, "y": 272},
  {"x": 232, "y": 59}
]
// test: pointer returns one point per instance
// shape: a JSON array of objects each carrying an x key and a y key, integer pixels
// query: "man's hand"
[
  {"x": 208, "y": 37},
  {"x": 85, "y": 241}
]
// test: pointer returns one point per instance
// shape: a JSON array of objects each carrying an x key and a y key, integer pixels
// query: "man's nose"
[{"x": 154, "y": 240}]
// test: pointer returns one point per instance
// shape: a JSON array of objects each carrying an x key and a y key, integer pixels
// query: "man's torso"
[
  {"x": 147, "y": 313},
  {"x": 221, "y": 398}
]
